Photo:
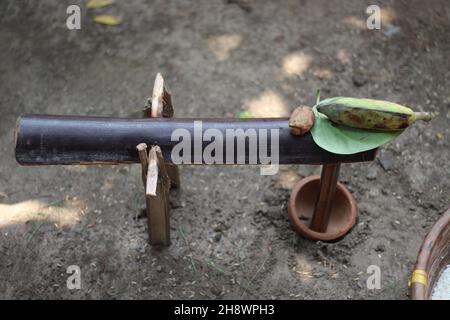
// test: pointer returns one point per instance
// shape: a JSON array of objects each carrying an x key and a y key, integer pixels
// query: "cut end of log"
[
  {"x": 157, "y": 97},
  {"x": 161, "y": 103},
  {"x": 16, "y": 138},
  {"x": 141, "y": 147},
  {"x": 16, "y": 132},
  {"x": 152, "y": 172}
]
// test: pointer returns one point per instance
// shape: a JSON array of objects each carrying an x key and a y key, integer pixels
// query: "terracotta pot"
[
  {"x": 434, "y": 255},
  {"x": 301, "y": 208}
]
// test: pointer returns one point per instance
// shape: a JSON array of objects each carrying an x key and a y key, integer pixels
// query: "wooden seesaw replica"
[{"x": 320, "y": 208}]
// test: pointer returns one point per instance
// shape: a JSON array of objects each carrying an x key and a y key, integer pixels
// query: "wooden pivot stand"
[
  {"x": 157, "y": 174},
  {"x": 320, "y": 208}
]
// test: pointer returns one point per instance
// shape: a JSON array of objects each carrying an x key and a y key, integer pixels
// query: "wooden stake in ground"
[
  {"x": 157, "y": 175},
  {"x": 142, "y": 152},
  {"x": 160, "y": 105},
  {"x": 157, "y": 184},
  {"x": 157, "y": 195}
]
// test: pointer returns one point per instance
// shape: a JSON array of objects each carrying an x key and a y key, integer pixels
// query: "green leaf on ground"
[{"x": 245, "y": 115}]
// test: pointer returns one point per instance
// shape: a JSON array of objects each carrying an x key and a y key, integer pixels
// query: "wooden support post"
[
  {"x": 157, "y": 195},
  {"x": 324, "y": 202},
  {"x": 158, "y": 176},
  {"x": 157, "y": 185},
  {"x": 143, "y": 158},
  {"x": 160, "y": 105}
]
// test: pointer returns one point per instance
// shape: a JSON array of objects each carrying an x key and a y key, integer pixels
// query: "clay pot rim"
[
  {"x": 423, "y": 262},
  {"x": 307, "y": 232}
]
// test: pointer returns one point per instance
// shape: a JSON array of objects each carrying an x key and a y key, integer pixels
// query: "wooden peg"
[
  {"x": 143, "y": 158},
  {"x": 157, "y": 198},
  {"x": 161, "y": 99},
  {"x": 160, "y": 105},
  {"x": 156, "y": 184}
]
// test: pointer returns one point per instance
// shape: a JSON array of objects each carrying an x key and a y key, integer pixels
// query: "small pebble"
[
  {"x": 217, "y": 237},
  {"x": 359, "y": 79},
  {"x": 386, "y": 159},
  {"x": 371, "y": 174}
]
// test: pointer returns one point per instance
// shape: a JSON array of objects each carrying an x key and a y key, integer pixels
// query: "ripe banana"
[{"x": 369, "y": 113}]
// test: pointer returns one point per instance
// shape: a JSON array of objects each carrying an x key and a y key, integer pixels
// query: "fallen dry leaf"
[
  {"x": 108, "y": 20},
  {"x": 94, "y": 4}
]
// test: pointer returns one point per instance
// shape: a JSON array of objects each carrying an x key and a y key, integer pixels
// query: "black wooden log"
[{"x": 52, "y": 140}]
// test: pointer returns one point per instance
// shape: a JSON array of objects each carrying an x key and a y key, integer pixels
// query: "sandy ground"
[{"x": 230, "y": 234}]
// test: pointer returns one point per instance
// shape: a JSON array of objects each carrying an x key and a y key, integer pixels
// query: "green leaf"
[
  {"x": 346, "y": 140},
  {"x": 317, "y": 96}
]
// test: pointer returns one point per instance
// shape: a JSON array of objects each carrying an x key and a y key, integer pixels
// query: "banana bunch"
[{"x": 369, "y": 113}]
